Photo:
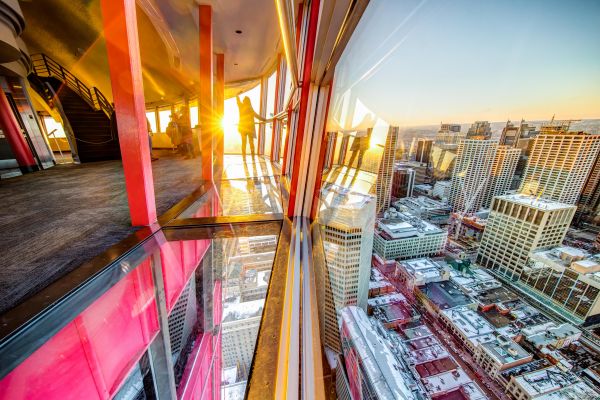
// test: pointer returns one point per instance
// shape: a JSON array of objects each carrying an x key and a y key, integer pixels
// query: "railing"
[{"x": 47, "y": 67}]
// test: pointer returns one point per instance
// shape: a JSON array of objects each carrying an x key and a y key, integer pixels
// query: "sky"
[{"x": 416, "y": 62}]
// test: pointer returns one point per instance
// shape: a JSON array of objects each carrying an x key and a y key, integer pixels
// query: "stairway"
[{"x": 90, "y": 121}]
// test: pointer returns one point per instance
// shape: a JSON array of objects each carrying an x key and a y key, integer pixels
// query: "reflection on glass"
[
  {"x": 246, "y": 196},
  {"x": 270, "y": 111},
  {"x": 151, "y": 118},
  {"x": 139, "y": 384},
  {"x": 215, "y": 318}
]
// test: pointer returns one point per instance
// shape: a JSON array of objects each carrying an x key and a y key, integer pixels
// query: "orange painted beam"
[
  {"x": 219, "y": 109},
  {"x": 205, "y": 96},
  {"x": 122, "y": 45}
]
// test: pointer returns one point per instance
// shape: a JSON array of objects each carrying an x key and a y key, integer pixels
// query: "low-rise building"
[
  {"x": 407, "y": 236},
  {"x": 420, "y": 271},
  {"x": 441, "y": 190},
  {"x": 500, "y": 354},
  {"x": 567, "y": 276},
  {"x": 469, "y": 326},
  {"x": 550, "y": 334},
  {"x": 430, "y": 210},
  {"x": 374, "y": 371},
  {"x": 550, "y": 384}
]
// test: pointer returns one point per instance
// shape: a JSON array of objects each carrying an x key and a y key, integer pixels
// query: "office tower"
[
  {"x": 479, "y": 130},
  {"x": 403, "y": 182},
  {"x": 183, "y": 319},
  {"x": 519, "y": 224},
  {"x": 383, "y": 186},
  {"x": 503, "y": 171},
  {"x": 421, "y": 150},
  {"x": 347, "y": 221},
  {"x": 510, "y": 134},
  {"x": 374, "y": 371},
  {"x": 559, "y": 164},
  {"x": 449, "y": 134},
  {"x": 472, "y": 169},
  {"x": 588, "y": 205}
]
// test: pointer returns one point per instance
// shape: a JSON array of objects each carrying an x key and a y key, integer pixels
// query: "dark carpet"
[{"x": 54, "y": 220}]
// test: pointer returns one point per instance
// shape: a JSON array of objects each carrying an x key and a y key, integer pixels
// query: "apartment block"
[
  {"x": 472, "y": 170},
  {"x": 559, "y": 165},
  {"x": 502, "y": 174}
]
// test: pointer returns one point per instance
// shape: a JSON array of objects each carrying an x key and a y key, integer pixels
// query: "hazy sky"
[{"x": 416, "y": 62}]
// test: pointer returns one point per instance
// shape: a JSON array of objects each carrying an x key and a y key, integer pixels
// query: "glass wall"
[{"x": 270, "y": 112}]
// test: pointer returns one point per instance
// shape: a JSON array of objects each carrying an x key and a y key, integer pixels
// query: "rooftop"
[
  {"x": 505, "y": 350},
  {"x": 446, "y": 381},
  {"x": 535, "y": 202},
  {"x": 469, "y": 322},
  {"x": 378, "y": 361},
  {"x": 405, "y": 225},
  {"x": 435, "y": 367},
  {"x": 445, "y": 295},
  {"x": 387, "y": 298},
  {"x": 545, "y": 381}
]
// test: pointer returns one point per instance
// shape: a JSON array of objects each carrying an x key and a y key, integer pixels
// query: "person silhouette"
[{"x": 246, "y": 124}]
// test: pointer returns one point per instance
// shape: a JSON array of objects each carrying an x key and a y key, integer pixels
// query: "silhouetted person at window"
[
  {"x": 246, "y": 124},
  {"x": 149, "y": 127},
  {"x": 187, "y": 135},
  {"x": 359, "y": 146}
]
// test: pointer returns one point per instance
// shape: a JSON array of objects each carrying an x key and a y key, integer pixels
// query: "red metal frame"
[
  {"x": 122, "y": 46},
  {"x": 311, "y": 36},
  {"x": 13, "y": 135},
  {"x": 322, "y": 154},
  {"x": 219, "y": 106},
  {"x": 276, "y": 107},
  {"x": 205, "y": 96}
]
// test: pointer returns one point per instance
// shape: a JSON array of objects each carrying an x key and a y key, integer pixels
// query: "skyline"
[{"x": 532, "y": 64}]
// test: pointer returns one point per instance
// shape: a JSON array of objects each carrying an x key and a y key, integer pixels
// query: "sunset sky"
[{"x": 417, "y": 62}]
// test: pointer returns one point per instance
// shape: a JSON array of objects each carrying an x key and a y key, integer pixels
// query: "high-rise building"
[
  {"x": 559, "y": 164},
  {"x": 503, "y": 171},
  {"x": 443, "y": 151},
  {"x": 403, "y": 182},
  {"x": 383, "y": 186},
  {"x": 588, "y": 205},
  {"x": 421, "y": 149},
  {"x": 519, "y": 224},
  {"x": 374, "y": 371},
  {"x": 472, "y": 169},
  {"x": 480, "y": 130},
  {"x": 510, "y": 134},
  {"x": 347, "y": 222}
]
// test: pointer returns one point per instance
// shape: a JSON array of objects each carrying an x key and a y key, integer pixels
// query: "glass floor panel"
[
  {"x": 238, "y": 167},
  {"x": 237, "y": 197}
]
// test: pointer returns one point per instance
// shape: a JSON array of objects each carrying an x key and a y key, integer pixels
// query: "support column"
[
  {"x": 219, "y": 108},
  {"x": 205, "y": 97},
  {"x": 279, "y": 99},
  {"x": 122, "y": 45},
  {"x": 12, "y": 132},
  {"x": 264, "y": 90},
  {"x": 308, "y": 100}
]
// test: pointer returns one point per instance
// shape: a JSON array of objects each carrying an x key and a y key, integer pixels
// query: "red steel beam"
[
  {"x": 322, "y": 154},
  {"x": 205, "y": 98},
  {"x": 219, "y": 109},
  {"x": 309, "y": 48},
  {"x": 122, "y": 45},
  {"x": 14, "y": 137}
]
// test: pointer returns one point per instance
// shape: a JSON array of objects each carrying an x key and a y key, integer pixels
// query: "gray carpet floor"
[{"x": 54, "y": 220}]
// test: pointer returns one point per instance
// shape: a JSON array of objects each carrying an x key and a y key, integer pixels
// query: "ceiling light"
[{"x": 238, "y": 32}]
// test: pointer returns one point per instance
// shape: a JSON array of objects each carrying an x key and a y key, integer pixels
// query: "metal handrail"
[{"x": 44, "y": 65}]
